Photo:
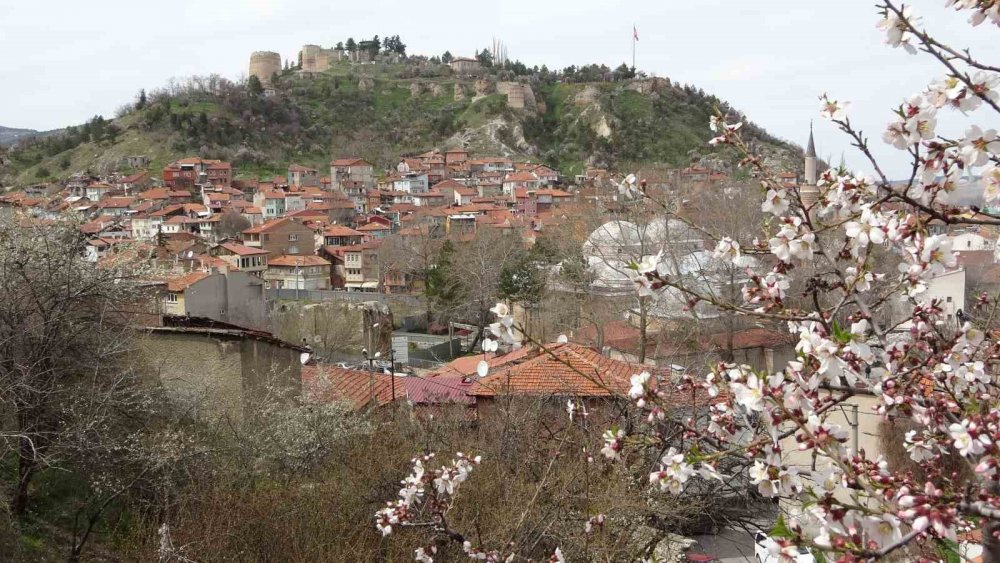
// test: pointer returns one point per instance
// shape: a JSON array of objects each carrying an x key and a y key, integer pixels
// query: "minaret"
[
  {"x": 808, "y": 190},
  {"x": 810, "y": 178}
]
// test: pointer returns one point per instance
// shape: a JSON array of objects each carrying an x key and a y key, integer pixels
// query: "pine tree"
[{"x": 254, "y": 87}]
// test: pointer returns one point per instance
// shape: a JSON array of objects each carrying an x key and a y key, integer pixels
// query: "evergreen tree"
[
  {"x": 254, "y": 87},
  {"x": 443, "y": 288},
  {"x": 340, "y": 46},
  {"x": 447, "y": 57},
  {"x": 351, "y": 44},
  {"x": 485, "y": 58},
  {"x": 141, "y": 102}
]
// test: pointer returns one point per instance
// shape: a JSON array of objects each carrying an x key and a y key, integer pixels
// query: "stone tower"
[
  {"x": 808, "y": 190},
  {"x": 264, "y": 65}
]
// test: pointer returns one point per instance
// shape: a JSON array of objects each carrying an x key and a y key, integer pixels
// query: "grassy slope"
[{"x": 311, "y": 119}]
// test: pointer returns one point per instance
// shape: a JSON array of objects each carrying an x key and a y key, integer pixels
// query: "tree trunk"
[
  {"x": 642, "y": 332},
  {"x": 991, "y": 545},
  {"x": 25, "y": 471}
]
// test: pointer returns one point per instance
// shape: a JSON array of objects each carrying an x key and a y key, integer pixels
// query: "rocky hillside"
[
  {"x": 380, "y": 112},
  {"x": 11, "y": 135}
]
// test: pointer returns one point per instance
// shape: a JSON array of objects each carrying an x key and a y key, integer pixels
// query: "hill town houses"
[{"x": 324, "y": 228}]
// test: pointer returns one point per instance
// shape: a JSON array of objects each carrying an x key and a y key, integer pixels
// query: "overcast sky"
[{"x": 66, "y": 60}]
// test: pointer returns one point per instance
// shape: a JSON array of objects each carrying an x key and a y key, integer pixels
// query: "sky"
[{"x": 66, "y": 60}]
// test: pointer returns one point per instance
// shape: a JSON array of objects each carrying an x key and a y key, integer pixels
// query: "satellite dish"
[
  {"x": 190, "y": 254},
  {"x": 304, "y": 357}
]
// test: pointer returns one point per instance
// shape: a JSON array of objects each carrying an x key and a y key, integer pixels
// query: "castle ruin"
[{"x": 264, "y": 65}]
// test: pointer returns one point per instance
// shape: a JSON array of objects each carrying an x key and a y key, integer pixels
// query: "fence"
[
  {"x": 340, "y": 295},
  {"x": 435, "y": 355}
]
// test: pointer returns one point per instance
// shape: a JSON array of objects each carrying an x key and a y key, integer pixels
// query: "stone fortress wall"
[{"x": 264, "y": 65}]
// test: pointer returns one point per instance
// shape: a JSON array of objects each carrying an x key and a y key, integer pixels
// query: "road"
[{"x": 730, "y": 546}]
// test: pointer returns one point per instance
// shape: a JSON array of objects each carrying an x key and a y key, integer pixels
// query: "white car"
[{"x": 761, "y": 542}]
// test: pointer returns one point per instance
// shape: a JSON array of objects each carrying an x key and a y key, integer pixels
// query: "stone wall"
[
  {"x": 220, "y": 375},
  {"x": 519, "y": 96},
  {"x": 264, "y": 65}
]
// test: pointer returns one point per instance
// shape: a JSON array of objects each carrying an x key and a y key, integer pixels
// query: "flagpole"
[{"x": 633, "y": 47}]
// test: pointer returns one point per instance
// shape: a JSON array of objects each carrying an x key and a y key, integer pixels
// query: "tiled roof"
[
  {"x": 183, "y": 282},
  {"x": 240, "y": 250},
  {"x": 437, "y": 390},
  {"x": 287, "y": 260},
  {"x": 327, "y": 384},
  {"x": 340, "y": 231},
  {"x": 466, "y": 365},
  {"x": 374, "y": 226},
  {"x": 562, "y": 369},
  {"x": 521, "y": 177},
  {"x": 267, "y": 226},
  {"x": 115, "y": 202}
]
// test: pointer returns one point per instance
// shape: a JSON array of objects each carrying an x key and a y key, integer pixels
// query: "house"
[
  {"x": 455, "y": 156},
  {"x": 94, "y": 192},
  {"x": 340, "y": 235},
  {"x": 271, "y": 203},
  {"x": 302, "y": 175},
  {"x": 520, "y": 180},
  {"x": 243, "y": 258},
  {"x": 461, "y": 225},
  {"x": 465, "y": 65},
  {"x": 344, "y": 171},
  {"x": 221, "y": 369},
  {"x": 283, "y": 236},
  {"x": 187, "y": 172},
  {"x": 115, "y": 206},
  {"x": 431, "y": 198},
  {"x": 375, "y": 230},
  {"x": 298, "y": 272},
  {"x": 356, "y": 267},
  {"x": 410, "y": 183},
  {"x": 134, "y": 182},
  {"x": 236, "y": 297}
]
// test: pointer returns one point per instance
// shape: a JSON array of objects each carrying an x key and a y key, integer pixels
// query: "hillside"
[
  {"x": 381, "y": 111},
  {"x": 11, "y": 135}
]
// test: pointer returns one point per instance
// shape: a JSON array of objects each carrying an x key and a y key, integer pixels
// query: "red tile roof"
[
  {"x": 290, "y": 261},
  {"x": 359, "y": 389},
  {"x": 340, "y": 231},
  {"x": 562, "y": 369},
  {"x": 183, "y": 282},
  {"x": 240, "y": 250},
  {"x": 437, "y": 390}
]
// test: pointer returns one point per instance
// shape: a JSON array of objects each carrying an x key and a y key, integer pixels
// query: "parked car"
[{"x": 761, "y": 541}]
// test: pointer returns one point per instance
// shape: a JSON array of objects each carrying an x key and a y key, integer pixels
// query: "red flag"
[{"x": 635, "y": 33}]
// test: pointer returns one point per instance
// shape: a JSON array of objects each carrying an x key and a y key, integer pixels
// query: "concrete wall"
[
  {"x": 221, "y": 375},
  {"x": 236, "y": 298},
  {"x": 266, "y": 364},
  {"x": 202, "y": 372}
]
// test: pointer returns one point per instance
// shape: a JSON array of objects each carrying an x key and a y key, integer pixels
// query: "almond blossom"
[{"x": 979, "y": 145}]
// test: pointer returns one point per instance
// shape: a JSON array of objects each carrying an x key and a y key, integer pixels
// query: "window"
[
  {"x": 293, "y": 250},
  {"x": 949, "y": 299},
  {"x": 265, "y": 237},
  {"x": 171, "y": 298},
  {"x": 293, "y": 237}
]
